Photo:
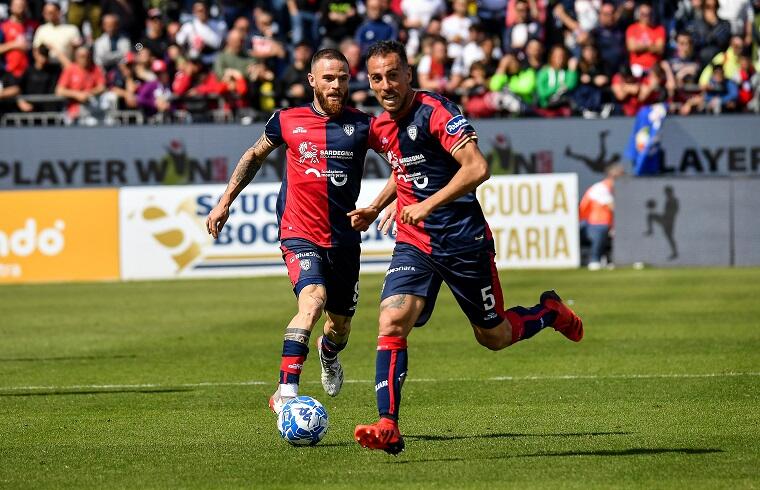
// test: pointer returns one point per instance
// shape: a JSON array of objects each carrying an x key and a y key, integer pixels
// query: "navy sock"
[
  {"x": 527, "y": 322},
  {"x": 330, "y": 349},
  {"x": 390, "y": 371},
  {"x": 293, "y": 356}
]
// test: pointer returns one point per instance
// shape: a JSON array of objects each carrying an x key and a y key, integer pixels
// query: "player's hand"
[
  {"x": 387, "y": 222},
  {"x": 414, "y": 213},
  {"x": 216, "y": 220},
  {"x": 363, "y": 217}
]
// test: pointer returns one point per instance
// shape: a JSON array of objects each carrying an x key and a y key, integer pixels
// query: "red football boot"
[
  {"x": 381, "y": 435},
  {"x": 567, "y": 323}
]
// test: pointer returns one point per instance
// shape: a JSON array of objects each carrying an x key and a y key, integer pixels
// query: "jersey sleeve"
[
  {"x": 273, "y": 129},
  {"x": 450, "y": 127}
]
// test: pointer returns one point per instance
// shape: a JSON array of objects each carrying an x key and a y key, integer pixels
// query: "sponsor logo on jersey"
[
  {"x": 399, "y": 269},
  {"x": 299, "y": 130},
  {"x": 295, "y": 366},
  {"x": 305, "y": 264},
  {"x": 455, "y": 124},
  {"x": 348, "y": 129},
  {"x": 337, "y": 154},
  {"x": 309, "y": 153},
  {"x": 381, "y": 384},
  {"x": 301, "y": 255},
  {"x": 490, "y": 316},
  {"x": 337, "y": 177},
  {"x": 412, "y": 132}
]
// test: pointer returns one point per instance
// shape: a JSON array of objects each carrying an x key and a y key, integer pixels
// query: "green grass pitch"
[{"x": 165, "y": 385}]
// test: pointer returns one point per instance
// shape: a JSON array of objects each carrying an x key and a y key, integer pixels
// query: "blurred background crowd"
[{"x": 116, "y": 61}]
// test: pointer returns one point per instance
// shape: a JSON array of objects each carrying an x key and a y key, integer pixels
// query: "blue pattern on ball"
[{"x": 303, "y": 421}]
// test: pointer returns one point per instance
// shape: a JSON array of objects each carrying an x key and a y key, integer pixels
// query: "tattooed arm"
[{"x": 245, "y": 171}]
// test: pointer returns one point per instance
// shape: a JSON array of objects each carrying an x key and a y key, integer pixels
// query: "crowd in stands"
[{"x": 185, "y": 60}]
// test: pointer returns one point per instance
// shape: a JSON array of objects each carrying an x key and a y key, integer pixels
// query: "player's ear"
[{"x": 312, "y": 80}]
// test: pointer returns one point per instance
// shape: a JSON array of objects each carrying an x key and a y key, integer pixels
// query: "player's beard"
[{"x": 331, "y": 107}]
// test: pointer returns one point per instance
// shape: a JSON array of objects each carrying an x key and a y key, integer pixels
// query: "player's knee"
[
  {"x": 493, "y": 339},
  {"x": 311, "y": 306},
  {"x": 339, "y": 326},
  {"x": 391, "y": 325}
]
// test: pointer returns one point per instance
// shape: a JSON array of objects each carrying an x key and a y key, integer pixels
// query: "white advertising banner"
[
  {"x": 163, "y": 233},
  {"x": 534, "y": 219}
]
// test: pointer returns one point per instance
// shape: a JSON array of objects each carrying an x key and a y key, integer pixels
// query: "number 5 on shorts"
[{"x": 488, "y": 300}]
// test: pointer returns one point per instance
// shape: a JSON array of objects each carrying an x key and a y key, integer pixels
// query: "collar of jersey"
[{"x": 317, "y": 111}]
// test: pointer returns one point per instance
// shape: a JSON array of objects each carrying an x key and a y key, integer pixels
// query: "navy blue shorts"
[
  {"x": 471, "y": 276},
  {"x": 335, "y": 268}
]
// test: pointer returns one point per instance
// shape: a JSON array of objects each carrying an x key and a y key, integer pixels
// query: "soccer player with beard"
[
  {"x": 326, "y": 147},
  {"x": 442, "y": 235}
]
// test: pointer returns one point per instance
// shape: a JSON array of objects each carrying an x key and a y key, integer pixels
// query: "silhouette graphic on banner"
[
  {"x": 666, "y": 219},
  {"x": 599, "y": 163}
]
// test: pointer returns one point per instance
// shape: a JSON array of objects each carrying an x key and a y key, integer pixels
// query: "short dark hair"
[
  {"x": 383, "y": 48},
  {"x": 328, "y": 54}
]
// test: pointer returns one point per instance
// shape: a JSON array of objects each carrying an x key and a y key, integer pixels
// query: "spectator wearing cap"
[
  {"x": 59, "y": 38},
  {"x": 82, "y": 82},
  {"x": 645, "y": 41},
  {"x": 156, "y": 96},
  {"x": 154, "y": 37},
  {"x": 517, "y": 35},
  {"x": 455, "y": 28},
  {"x": 375, "y": 27},
  {"x": 201, "y": 36},
  {"x": 111, "y": 46},
  {"x": 85, "y": 10},
  {"x": 14, "y": 33},
  {"x": 339, "y": 19},
  {"x": 720, "y": 93},
  {"x": 294, "y": 88},
  {"x": 39, "y": 79}
]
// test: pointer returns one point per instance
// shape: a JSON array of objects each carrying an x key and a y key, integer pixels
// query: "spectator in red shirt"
[
  {"x": 82, "y": 82},
  {"x": 17, "y": 32},
  {"x": 645, "y": 41}
]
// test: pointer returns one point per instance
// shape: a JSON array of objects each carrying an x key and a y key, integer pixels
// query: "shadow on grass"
[
  {"x": 65, "y": 358},
  {"x": 513, "y": 435},
  {"x": 145, "y": 391},
  {"x": 635, "y": 451}
]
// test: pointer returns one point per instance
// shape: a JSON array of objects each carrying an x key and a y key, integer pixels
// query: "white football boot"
[{"x": 332, "y": 372}]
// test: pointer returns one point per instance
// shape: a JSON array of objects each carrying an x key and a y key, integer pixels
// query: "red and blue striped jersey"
[
  {"x": 419, "y": 147},
  {"x": 324, "y": 168}
]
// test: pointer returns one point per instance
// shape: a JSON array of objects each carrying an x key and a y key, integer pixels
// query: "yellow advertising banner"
[{"x": 59, "y": 235}]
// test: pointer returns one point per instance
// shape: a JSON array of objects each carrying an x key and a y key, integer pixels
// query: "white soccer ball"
[{"x": 303, "y": 421}]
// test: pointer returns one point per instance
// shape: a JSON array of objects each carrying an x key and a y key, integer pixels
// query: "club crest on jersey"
[
  {"x": 305, "y": 264},
  {"x": 348, "y": 129},
  {"x": 455, "y": 124},
  {"x": 299, "y": 130},
  {"x": 308, "y": 151},
  {"x": 412, "y": 132}
]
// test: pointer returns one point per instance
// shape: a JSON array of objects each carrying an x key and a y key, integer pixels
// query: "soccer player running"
[
  {"x": 326, "y": 147},
  {"x": 442, "y": 235}
]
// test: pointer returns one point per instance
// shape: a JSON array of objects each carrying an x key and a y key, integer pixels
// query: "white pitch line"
[{"x": 367, "y": 381}]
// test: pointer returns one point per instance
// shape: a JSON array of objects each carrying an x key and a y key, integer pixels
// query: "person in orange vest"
[{"x": 596, "y": 214}]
